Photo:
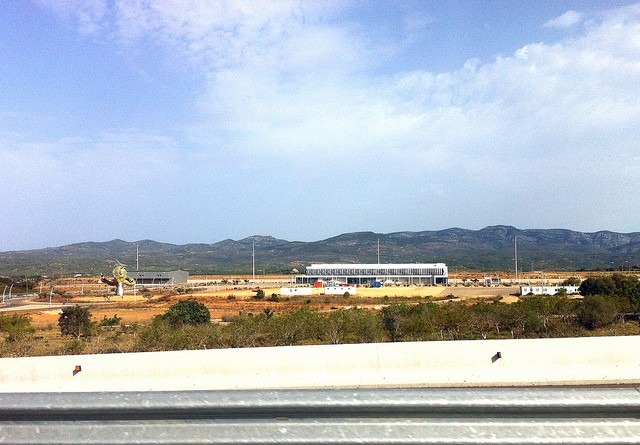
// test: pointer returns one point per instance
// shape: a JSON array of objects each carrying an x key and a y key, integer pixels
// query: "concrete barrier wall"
[{"x": 593, "y": 360}]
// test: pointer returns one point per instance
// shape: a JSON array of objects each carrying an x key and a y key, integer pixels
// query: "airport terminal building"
[{"x": 373, "y": 274}]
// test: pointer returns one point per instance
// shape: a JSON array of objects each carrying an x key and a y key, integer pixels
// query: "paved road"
[{"x": 15, "y": 305}]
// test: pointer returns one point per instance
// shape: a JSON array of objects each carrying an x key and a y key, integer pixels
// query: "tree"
[
  {"x": 597, "y": 286},
  {"x": 484, "y": 318},
  {"x": 187, "y": 312},
  {"x": 597, "y": 311},
  {"x": 393, "y": 320},
  {"x": 619, "y": 285},
  {"x": 628, "y": 287},
  {"x": 616, "y": 284},
  {"x": 453, "y": 319},
  {"x": 571, "y": 281},
  {"x": 75, "y": 321}
]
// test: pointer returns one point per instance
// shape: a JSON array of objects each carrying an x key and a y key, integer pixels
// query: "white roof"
[{"x": 379, "y": 265}]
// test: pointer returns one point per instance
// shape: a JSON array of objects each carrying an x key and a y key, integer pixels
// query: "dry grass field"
[
  {"x": 224, "y": 301},
  {"x": 232, "y": 300}
]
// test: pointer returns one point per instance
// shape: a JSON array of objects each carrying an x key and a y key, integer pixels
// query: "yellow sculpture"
[
  {"x": 120, "y": 278},
  {"x": 120, "y": 274}
]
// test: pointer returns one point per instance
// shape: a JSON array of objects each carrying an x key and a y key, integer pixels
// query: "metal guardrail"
[{"x": 334, "y": 416}]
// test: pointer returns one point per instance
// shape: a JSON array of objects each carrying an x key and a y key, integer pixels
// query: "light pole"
[{"x": 515, "y": 248}]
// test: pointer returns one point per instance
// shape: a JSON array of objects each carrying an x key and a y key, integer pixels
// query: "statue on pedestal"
[{"x": 120, "y": 278}]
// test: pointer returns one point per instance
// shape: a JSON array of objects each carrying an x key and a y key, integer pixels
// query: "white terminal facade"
[{"x": 412, "y": 273}]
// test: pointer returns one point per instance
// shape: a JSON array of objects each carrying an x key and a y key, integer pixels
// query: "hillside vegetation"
[{"x": 488, "y": 249}]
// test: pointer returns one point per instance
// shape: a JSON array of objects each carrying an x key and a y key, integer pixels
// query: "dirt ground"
[{"x": 227, "y": 301}]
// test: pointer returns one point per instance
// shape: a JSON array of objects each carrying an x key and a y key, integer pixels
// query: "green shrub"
[
  {"x": 72, "y": 347},
  {"x": 187, "y": 312},
  {"x": 16, "y": 326},
  {"x": 110, "y": 321}
]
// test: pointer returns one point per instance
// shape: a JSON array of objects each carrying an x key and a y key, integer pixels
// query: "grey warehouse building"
[
  {"x": 425, "y": 274},
  {"x": 159, "y": 277}
]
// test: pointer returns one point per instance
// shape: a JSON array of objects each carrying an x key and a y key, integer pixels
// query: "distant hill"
[{"x": 488, "y": 249}]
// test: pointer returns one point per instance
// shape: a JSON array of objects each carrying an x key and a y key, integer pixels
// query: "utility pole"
[
  {"x": 515, "y": 248},
  {"x": 253, "y": 261}
]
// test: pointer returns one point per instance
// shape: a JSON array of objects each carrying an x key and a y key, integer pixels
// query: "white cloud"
[
  {"x": 222, "y": 33},
  {"x": 285, "y": 78},
  {"x": 90, "y": 15},
  {"x": 566, "y": 20},
  {"x": 290, "y": 86}
]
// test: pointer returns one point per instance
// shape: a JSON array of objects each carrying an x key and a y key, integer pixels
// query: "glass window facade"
[{"x": 436, "y": 273}]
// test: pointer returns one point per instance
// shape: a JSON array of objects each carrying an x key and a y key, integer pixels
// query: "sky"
[{"x": 198, "y": 121}]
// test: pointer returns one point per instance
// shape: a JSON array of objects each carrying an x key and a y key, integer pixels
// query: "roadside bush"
[
  {"x": 16, "y": 326},
  {"x": 187, "y": 312},
  {"x": 351, "y": 326},
  {"x": 247, "y": 331},
  {"x": 110, "y": 321},
  {"x": 161, "y": 335},
  {"x": 298, "y": 327},
  {"x": 72, "y": 347},
  {"x": 404, "y": 322}
]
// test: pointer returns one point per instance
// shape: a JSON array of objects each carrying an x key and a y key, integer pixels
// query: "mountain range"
[{"x": 489, "y": 249}]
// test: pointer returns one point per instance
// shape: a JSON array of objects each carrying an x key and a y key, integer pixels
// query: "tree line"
[{"x": 607, "y": 304}]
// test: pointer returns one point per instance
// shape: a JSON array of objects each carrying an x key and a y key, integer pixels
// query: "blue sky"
[{"x": 185, "y": 121}]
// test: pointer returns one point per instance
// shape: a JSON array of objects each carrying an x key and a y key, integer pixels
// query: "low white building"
[
  {"x": 340, "y": 290},
  {"x": 547, "y": 290}
]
